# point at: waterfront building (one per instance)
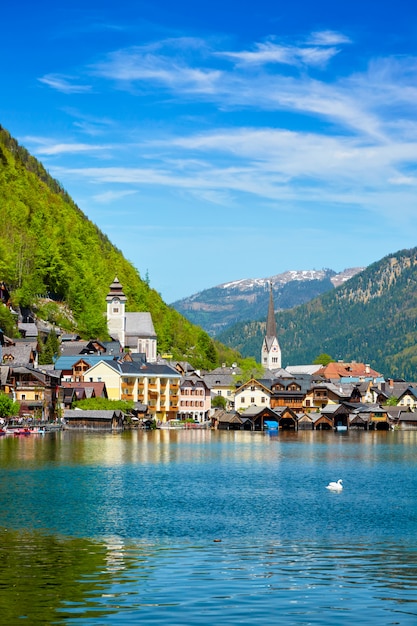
(153, 384)
(194, 399)
(254, 392)
(271, 351)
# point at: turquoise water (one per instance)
(202, 527)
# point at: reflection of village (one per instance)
(338, 396)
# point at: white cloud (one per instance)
(46, 147)
(287, 55)
(63, 84)
(110, 196)
(138, 64)
(328, 38)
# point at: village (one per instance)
(169, 394)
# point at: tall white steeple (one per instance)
(116, 301)
(271, 351)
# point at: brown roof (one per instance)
(339, 370)
(99, 388)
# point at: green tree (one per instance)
(392, 401)
(218, 402)
(7, 406)
(250, 369)
(323, 359)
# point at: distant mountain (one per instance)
(220, 307)
(371, 318)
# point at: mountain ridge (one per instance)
(371, 318)
(220, 307)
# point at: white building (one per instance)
(135, 331)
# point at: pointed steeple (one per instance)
(271, 351)
(271, 324)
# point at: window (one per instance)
(252, 400)
(219, 393)
(115, 309)
(242, 400)
(229, 393)
(263, 399)
(36, 396)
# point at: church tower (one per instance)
(271, 351)
(116, 301)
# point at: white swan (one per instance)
(333, 486)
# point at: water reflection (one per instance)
(49, 579)
(121, 528)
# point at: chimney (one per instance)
(367, 368)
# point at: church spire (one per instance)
(271, 324)
(271, 351)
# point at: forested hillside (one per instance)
(48, 247)
(371, 318)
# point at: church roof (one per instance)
(139, 325)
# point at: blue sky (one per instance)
(223, 140)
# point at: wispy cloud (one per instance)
(146, 65)
(110, 196)
(287, 55)
(64, 84)
(44, 146)
(328, 38)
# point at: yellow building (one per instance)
(153, 384)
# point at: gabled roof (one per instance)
(22, 353)
(263, 384)
(410, 391)
(95, 415)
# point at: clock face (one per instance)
(116, 301)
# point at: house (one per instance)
(20, 352)
(194, 399)
(35, 390)
(94, 420)
(323, 393)
(223, 381)
(75, 391)
(254, 392)
(408, 398)
(290, 391)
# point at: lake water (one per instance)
(208, 527)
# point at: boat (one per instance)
(21, 431)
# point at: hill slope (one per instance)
(49, 247)
(220, 307)
(371, 318)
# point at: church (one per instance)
(271, 351)
(134, 331)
